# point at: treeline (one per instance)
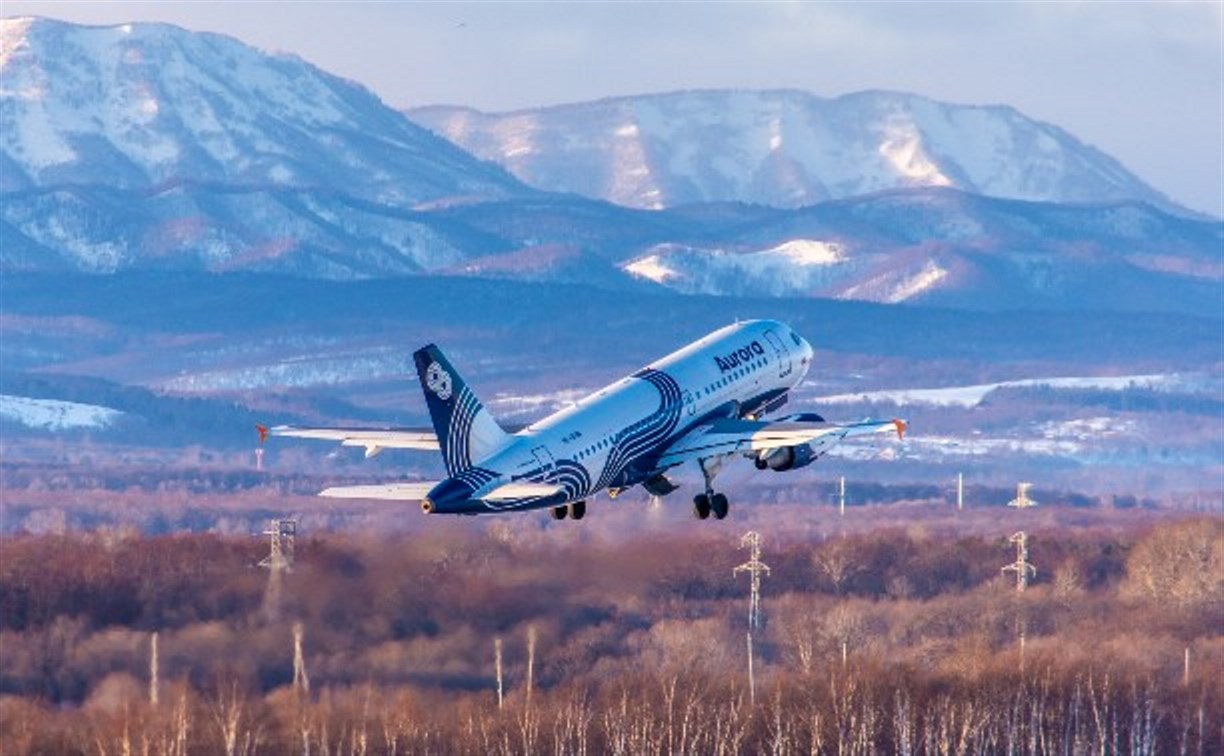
(858, 709)
(893, 641)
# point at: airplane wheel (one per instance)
(577, 510)
(701, 506)
(719, 506)
(559, 513)
(760, 463)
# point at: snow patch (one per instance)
(807, 252)
(925, 279)
(55, 415)
(651, 268)
(896, 286)
(971, 396)
(1087, 428)
(13, 36)
(795, 267)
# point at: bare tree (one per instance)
(837, 561)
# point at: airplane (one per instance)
(702, 404)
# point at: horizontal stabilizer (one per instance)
(521, 490)
(387, 491)
(371, 438)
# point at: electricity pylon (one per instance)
(1023, 569)
(1022, 500)
(1021, 566)
(281, 537)
(754, 566)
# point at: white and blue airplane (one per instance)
(702, 404)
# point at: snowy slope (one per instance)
(945, 247)
(141, 106)
(54, 415)
(971, 396)
(785, 148)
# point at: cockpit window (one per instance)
(795, 338)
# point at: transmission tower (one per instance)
(1022, 500)
(1021, 566)
(754, 566)
(841, 496)
(282, 535)
(1023, 570)
(960, 491)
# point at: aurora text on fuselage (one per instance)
(741, 356)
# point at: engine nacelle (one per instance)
(790, 458)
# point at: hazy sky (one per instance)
(1144, 81)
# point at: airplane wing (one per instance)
(386, 491)
(729, 435)
(373, 439)
(417, 491)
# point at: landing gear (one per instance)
(709, 502)
(705, 505)
(701, 506)
(760, 463)
(575, 511)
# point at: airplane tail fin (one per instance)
(467, 433)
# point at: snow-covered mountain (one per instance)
(151, 148)
(143, 106)
(786, 149)
(950, 248)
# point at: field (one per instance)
(625, 634)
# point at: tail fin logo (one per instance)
(438, 381)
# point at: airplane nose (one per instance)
(805, 349)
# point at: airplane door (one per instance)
(780, 352)
(688, 402)
(544, 458)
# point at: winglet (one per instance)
(900, 429)
(263, 432)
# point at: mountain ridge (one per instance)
(893, 138)
(137, 105)
(366, 194)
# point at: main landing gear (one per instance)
(577, 511)
(710, 503)
(707, 504)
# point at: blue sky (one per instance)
(1143, 81)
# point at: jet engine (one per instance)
(788, 458)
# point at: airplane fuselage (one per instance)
(615, 437)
